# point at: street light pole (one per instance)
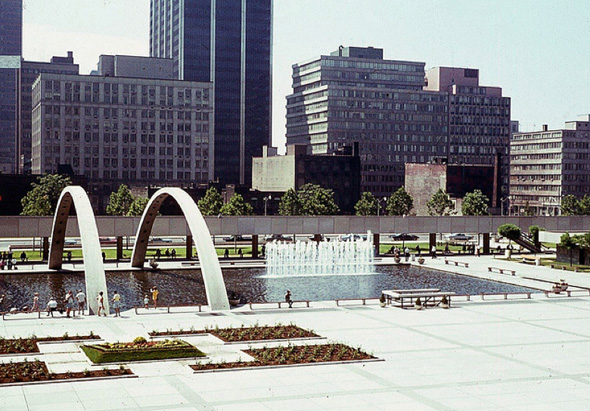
(265, 199)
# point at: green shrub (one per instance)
(102, 354)
(139, 340)
(510, 231)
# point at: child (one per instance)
(146, 301)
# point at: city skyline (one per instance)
(536, 51)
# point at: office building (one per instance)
(354, 95)
(424, 180)
(339, 172)
(479, 120)
(227, 43)
(10, 59)
(130, 130)
(28, 73)
(547, 165)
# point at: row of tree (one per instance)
(309, 200)
(571, 205)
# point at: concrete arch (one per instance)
(94, 274)
(212, 276)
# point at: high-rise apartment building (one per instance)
(28, 73)
(354, 95)
(547, 165)
(227, 43)
(10, 59)
(123, 130)
(479, 120)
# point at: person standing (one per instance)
(117, 304)
(173, 253)
(146, 301)
(69, 300)
(433, 251)
(288, 299)
(155, 293)
(23, 257)
(35, 306)
(100, 300)
(81, 298)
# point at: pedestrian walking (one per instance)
(173, 253)
(70, 307)
(146, 301)
(433, 251)
(117, 304)
(226, 253)
(23, 257)
(35, 306)
(81, 298)
(100, 299)
(70, 256)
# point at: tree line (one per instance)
(309, 200)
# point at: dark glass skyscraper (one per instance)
(227, 42)
(10, 57)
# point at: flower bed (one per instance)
(304, 354)
(140, 350)
(254, 333)
(29, 345)
(37, 371)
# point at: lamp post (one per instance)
(384, 199)
(265, 199)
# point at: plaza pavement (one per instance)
(518, 354)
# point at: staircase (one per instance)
(526, 241)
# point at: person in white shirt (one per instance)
(81, 298)
(51, 306)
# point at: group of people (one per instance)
(73, 303)
(7, 260)
(167, 253)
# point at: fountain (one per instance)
(320, 258)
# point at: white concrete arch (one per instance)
(212, 276)
(93, 267)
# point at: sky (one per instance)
(538, 51)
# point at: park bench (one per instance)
(501, 270)
(279, 303)
(527, 259)
(505, 295)
(457, 263)
(168, 308)
(363, 301)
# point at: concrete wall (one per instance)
(176, 226)
(275, 173)
(422, 181)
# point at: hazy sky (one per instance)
(538, 51)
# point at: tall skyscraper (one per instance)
(227, 43)
(10, 58)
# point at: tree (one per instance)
(569, 243)
(475, 203)
(290, 203)
(570, 205)
(584, 205)
(237, 206)
(42, 198)
(440, 203)
(367, 205)
(316, 200)
(510, 231)
(534, 232)
(137, 207)
(120, 201)
(211, 202)
(400, 202)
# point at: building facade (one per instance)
(479, 120)
(354, 95)
(116, 130)
(547, 165)
(340, 172)
(28, 73)
(229, 44)
(10, 59)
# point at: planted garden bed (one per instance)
(253, 333)
(37, 371)
(29, 345)
(304, 354)
(140, 350)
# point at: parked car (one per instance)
(404, 237)
(233, 238)
(459, 237)
(277, 237)
(353, 237)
